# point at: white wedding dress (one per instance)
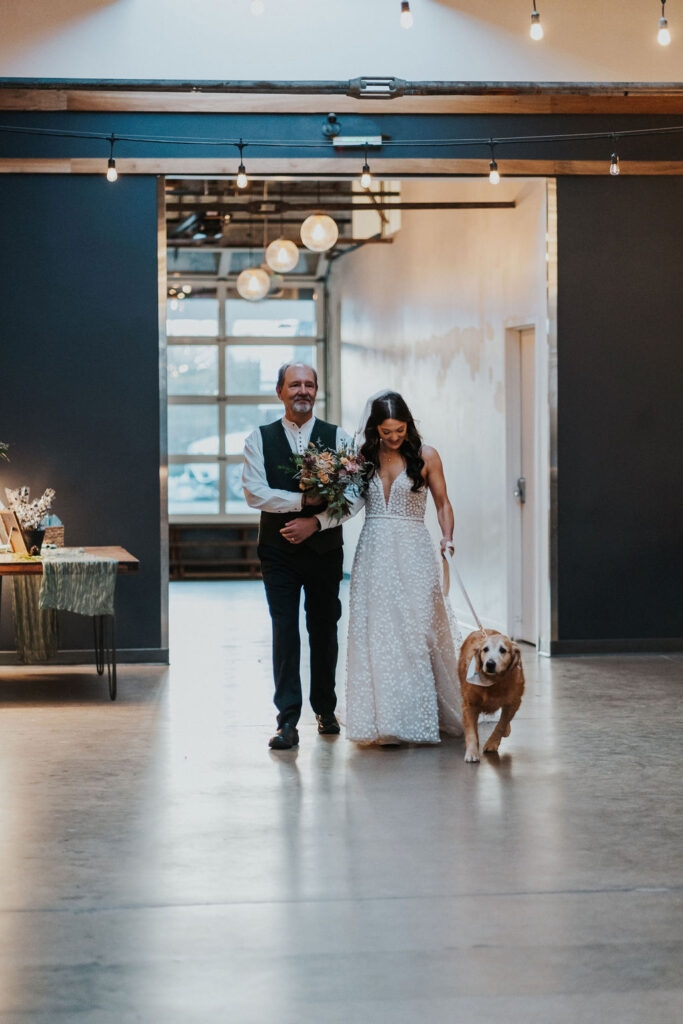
(401, 678)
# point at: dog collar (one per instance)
(473, 676)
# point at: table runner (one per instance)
(73, 581)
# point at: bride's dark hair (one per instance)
(392, 407)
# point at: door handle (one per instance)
(520, 490)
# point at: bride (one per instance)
(402, 682)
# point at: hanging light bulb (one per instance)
(257, 7)
(406, 18)
(494, 175)
(663, 36)
(319, 232)
(253, 283)
(112, 173)
(536, 30)
(366, 176)
(614, 164)
(242, 180)
(282, 255)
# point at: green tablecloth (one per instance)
(72, 581)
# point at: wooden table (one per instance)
(103, 625)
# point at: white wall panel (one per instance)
(427, 316)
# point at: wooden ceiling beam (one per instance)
(408, 167)
(599, 100)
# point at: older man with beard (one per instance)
(299, 546)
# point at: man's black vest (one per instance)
(276, 457)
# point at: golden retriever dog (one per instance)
(498, 665)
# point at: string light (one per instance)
(366, 176)
(536, 30)
(306, 144)
(406, 18)
(112, 173)
(494, 176)
(614, 164)
(242, 180)
(663, 36)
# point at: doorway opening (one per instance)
(436, 288)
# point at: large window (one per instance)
(223, 356)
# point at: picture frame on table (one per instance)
(11, 531)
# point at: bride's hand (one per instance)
(447, 545)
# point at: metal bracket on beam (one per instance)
(367, 88)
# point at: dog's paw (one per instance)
(471, 755)
(491, 748)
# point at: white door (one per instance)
(521, 435)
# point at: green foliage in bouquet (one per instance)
(337, 476)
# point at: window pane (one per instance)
(235, 504)
(193, 489)
(192, 370)
(194, 316)
(193, 429)
(252, 369)
(242, 419)
(271, 318)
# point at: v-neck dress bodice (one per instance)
(402, 653)
(403, 503)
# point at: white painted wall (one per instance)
(452, 40)
(427, 316)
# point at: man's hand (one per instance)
(298, 530)
(311, 498)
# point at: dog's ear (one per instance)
(516, 656)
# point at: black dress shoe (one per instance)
(328, 725)
(284, 739)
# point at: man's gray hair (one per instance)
(283, 370)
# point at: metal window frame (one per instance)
(221, 400)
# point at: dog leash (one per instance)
(448, 563)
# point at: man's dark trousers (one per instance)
(285, 574)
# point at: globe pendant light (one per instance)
(282, 255)
(319, 232)
(253, 283)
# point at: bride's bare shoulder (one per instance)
(428, 453)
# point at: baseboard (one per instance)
(659, 645)
(125, 656)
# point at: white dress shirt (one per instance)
(258, 493)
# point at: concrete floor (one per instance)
(159, 864)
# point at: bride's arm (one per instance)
(436, 482)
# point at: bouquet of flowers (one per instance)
(338, 477)
(29, 513)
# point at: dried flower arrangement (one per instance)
(29, 513)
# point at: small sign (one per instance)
(12, 532)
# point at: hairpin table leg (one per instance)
(105, 649)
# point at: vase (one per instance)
(33, 539)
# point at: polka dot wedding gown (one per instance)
(401, 679)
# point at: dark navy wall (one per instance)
(301, 135)
(79, 401)
(620, 375)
